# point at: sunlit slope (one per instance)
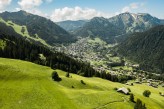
(24, 85)
(18, 29)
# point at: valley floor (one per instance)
(24, 85)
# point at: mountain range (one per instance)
(130, 22)
(132, 32)
(111, 30)
(140, 37)
(115, 28)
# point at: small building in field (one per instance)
(137, 82)
(123, 90)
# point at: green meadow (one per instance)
(17, 28)
(25, 85)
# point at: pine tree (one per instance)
(138, 104)
(55, 76)
(131, 97)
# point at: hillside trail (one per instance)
(102, 106)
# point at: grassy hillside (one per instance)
(27, 85)
(18, 29)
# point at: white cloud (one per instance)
(17, 9)
(38, 12)
(132, 7)
(76, 13)
(4, 3)
(28, 4)
(31, 6)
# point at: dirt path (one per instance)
(99, 107)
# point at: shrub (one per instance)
(23, 30)
(131, 97)
(139, 105)
(146, 93)
(67, 75)
(55, 76)
(82, 82)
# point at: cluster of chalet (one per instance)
(150, 82)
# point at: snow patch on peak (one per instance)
(134, 16)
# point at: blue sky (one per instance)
(58, 10)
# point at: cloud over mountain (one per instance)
(76, 13)
(27, 4)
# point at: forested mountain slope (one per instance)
(146, 48)
(99, 27)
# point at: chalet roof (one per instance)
(124, 90)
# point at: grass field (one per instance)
(24, 85)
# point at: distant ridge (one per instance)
(119, 25)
